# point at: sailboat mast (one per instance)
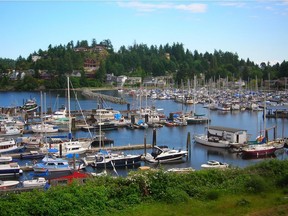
(69, 114)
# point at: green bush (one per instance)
(256, 184)
(212, 195)
(173, 195)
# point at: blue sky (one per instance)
(254, 29)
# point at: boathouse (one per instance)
(233, 135)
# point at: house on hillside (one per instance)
(132, 81)
(121, 80)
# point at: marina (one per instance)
(133, 141)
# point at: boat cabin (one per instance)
(233, 135)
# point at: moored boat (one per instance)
(8, 184)
(212, 164)
(223, 137)
(30, 105)
(163, 154)
(105, 159)
(9, 145)
(9, 169)
(51, 165)
(32, 155)
(33, 183)
(258, 150)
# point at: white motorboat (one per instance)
(39, 182)
(70, 146)
(52, 165)
(9, 130)
(105, 159)
(8, 184)
(163, 154)
(8, 145)
(10, 168)
(44, 128)
(5, 159)
(211, 164)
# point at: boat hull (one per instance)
(121, 162)
(258, 152)
(10, 169)
(204, 141)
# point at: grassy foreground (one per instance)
(256, 190)
(268, 204)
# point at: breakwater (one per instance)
(91, 94)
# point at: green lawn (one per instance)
(260, 204)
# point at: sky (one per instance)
(254, 29)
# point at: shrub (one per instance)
(212, 195)
(243, 202)
(172, 195)
(255, 184)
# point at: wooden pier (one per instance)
(90, 94)
(96, 149)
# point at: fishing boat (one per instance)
(8, 184)
(212, 164)
(34, 183)
(163, 154)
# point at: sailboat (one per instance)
(222, 137)
(44, 127)
(196, 118)
(105, 159)
(70, 146)
(260, 148)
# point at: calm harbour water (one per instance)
(174, 137)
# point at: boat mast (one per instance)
(69, 114)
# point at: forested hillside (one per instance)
(136, 60)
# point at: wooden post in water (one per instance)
(266, 135)
(154, 138)
(73, 124)
(145, 145)
(74, 161)
(188, 144)
(60, 150)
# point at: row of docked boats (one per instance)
(237, 139)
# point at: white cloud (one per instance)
(194, 8)
(233, 3)
(148, 7)
(143, 6)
